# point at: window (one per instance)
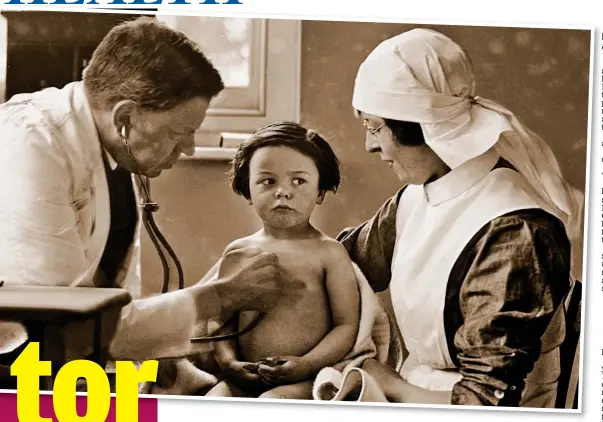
(259, 60)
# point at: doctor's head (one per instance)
(150, 86)
(284, 170)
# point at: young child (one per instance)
(284, 170)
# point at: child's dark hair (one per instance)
(292, 135)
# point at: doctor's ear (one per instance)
(122, 114)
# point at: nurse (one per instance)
(480, 246)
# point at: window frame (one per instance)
(279, 64)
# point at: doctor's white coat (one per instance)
(54, 218)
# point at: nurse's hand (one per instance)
(249, 279)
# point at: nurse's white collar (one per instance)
(461, 178)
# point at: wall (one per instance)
(542, 75)
(49, 48)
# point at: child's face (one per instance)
(283, 184)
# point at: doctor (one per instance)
(69, 214)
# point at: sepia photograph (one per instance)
(296, 210)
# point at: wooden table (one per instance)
(69, 322)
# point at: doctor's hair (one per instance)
(405, 133)
(291, 135)
(146, 61)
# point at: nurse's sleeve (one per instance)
(516, 279)
(371, 244)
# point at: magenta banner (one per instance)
(147, 408)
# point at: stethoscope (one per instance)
(149, 207)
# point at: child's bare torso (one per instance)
(292, 327)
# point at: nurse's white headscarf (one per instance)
(423, 76)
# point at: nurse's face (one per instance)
(412, 164)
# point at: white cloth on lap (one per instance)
(375, 335)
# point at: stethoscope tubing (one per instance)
(148, 208)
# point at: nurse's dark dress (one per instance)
(500, 293)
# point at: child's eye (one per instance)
(298, 181)
(267, 182)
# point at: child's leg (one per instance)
(300, 391)
(226, 389)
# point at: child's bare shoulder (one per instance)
(333, 249)
(336, 260)
(244, 242)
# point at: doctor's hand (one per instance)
(250, 279)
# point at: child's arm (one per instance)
(242, 374)
(225, 352)
(344, 297)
